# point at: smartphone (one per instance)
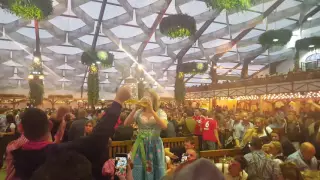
(121, 162)
(184, 157)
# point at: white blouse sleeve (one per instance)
(162, 115)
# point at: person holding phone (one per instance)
(118, 168)
(148, 154)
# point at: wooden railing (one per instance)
(125, 147)
(217, 154)
(120, 147)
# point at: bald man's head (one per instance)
(244, 116)
(307, 150)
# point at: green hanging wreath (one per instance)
(308, 43)
(88, 58)
(305, 44)
(180, 89)
(36, 91)
(31, 9)
(93, 85)
(238, 5)
(194, 68)
(104, 58)
(178, 26)
(275, 38)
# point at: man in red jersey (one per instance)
(210, 135)
(197, 130)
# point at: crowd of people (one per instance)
(46, 145)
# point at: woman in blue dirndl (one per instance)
(147, 152)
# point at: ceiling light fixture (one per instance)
(309, 18)
(275, 40)
(140, 67)
(311, 46)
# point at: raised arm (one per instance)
(98, 140)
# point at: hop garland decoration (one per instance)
(194, 68)
(238, 5)
(36, 88)
(275, 38)
(101, 57)
(93, 85)
(180, 89)
(178, 26)
(36, 91)
(30, 9)
(36, 66)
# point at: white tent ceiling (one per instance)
(69, 32)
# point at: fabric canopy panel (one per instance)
(126, 23)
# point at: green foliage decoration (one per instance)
(101, 57)
(31, 9)
(237, 5)
(36, 91)
(180, 89)
(194, 68)
(275, 38)
(178, 26)
(105, 58)
(36, 87)
(88, 58)
(93, 85)
(305, 44)
(36, 67)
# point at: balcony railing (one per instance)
(290, 77)
(307, 66)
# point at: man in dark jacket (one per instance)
(36, 129)
(77, 127)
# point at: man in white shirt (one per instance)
(305, 157)
(241, 128)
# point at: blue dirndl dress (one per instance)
(148, 151)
